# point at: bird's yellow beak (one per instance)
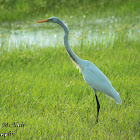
(45, 20)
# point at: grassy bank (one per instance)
(43, 92)
(14, 10)
(42, 89)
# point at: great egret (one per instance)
(91, 74)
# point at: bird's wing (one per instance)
(96, 79)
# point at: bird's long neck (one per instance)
(69, 50)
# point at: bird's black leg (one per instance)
(98, 105)
(98, 108)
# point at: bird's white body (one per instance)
(92, 75)
(97, 80)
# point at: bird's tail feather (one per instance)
(117, 98)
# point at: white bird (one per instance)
(91, 74)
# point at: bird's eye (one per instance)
(50, 19)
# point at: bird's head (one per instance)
(56, 20)
(52, 19)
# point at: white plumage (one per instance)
(98, 81)
(92, 75)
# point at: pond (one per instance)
(85, 31)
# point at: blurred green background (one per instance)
(24, 9)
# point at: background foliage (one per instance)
(24, 9)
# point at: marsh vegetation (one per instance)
(41, 88)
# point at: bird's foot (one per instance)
(96, 122)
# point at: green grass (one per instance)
(42, 89)
(15, 10)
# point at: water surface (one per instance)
(82, 32)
